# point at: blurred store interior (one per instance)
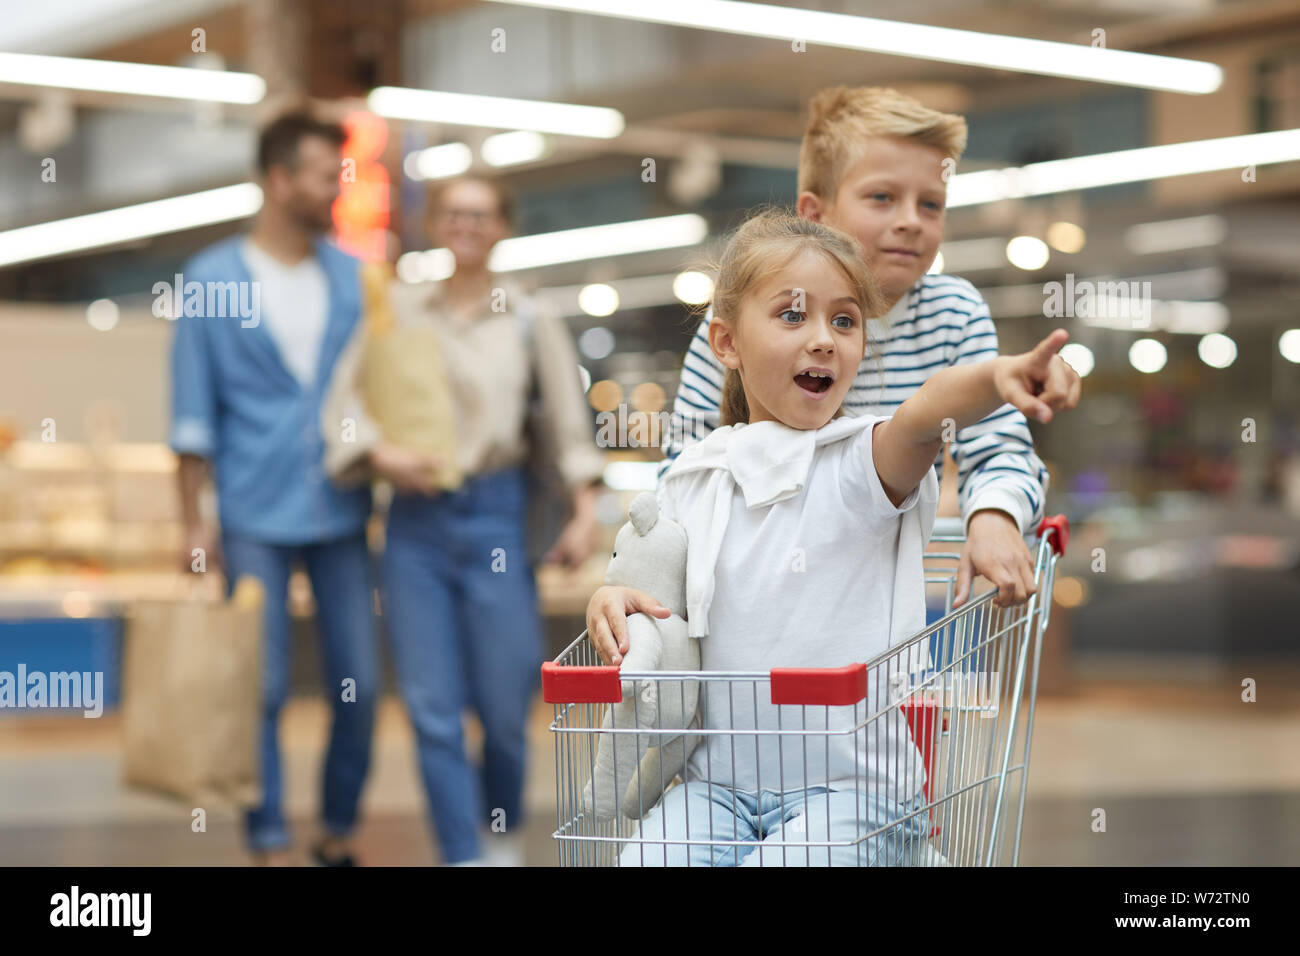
(1179, 472)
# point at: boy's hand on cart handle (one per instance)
(1031, 381)
(995, 550)
(607, 613)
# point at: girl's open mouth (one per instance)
(814, 385)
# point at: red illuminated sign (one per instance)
(361, 213)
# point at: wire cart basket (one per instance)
(953, 705)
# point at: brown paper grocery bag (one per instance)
(403, 380)
(192, 697)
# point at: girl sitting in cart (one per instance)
(805, 526)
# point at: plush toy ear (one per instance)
(644, 512)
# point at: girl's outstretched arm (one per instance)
(904, 447)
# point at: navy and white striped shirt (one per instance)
(941, 321)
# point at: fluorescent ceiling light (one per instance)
(510, 149)
(1208, 282)
(597, 242)
(1190, 318)
(1124, 166)
(438, 162)
(134, 79)
(968, 47)
(496, 112)
(1191, 285)
(632, 475)
(576, 245)
(1174, 234)
(1167, 315)
(140, 221)
(973, 255)
(431, 265)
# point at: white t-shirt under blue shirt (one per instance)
(294, 300)
(810, 580)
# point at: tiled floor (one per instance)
(1186, 773)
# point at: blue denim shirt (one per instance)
(235, 403)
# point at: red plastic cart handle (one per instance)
(830, 686)
(580, 685)
(812, 686)
(1062, 536)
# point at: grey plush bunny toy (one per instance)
(632, 769)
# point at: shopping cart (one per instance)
(964, 689)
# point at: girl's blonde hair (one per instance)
(768, 241)
(842, 118)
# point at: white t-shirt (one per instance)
(294, 303)
(809, 581)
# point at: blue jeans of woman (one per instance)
(462, 617)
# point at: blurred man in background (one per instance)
(246, 391)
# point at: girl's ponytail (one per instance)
(734, 408)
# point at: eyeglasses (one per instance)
(476, 216)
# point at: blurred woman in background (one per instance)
(461, 604)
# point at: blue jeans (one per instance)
(340, 582)
(462, 616)
(698, 810)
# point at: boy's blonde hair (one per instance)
(767, 241)
(841, 117)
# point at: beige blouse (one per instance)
(486, 362)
